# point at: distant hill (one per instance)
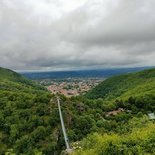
(99, 73)
(124, 85)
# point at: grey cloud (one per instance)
(130, 22)
(95, 34)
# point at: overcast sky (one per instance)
(76, 34)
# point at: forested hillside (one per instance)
(30, 125)
(26, 122)
(128, 99)
(124, 85)
(10, 80)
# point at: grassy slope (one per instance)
(125, 85)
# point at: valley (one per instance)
(77, 77)
(71, 86)
(111, 118)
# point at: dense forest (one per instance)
(110, 119)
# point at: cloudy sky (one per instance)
(76, 34)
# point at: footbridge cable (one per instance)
(63, 126)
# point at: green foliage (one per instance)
(30, 124)
(125, 85)
(26, 116)
(10, 80)
(138, 141)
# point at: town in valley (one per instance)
(70, 86)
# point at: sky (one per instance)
(76, 34)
